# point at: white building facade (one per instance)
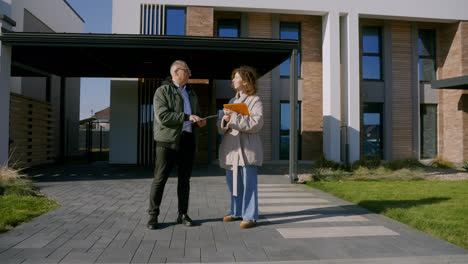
(46, 16)
(365, 72)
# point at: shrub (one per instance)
(322, 162)
(403, 164)
(465, 165)
(370, 163)
(12, 182)
(440, 163)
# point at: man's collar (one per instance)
(178, 87)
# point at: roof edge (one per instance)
(76, 13)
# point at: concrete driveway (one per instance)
(102, 219)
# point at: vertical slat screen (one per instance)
(146, 144)
(151, 18)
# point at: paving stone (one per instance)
(58, 254)
(311, 232)
(143, 251)
(34, 253)
(200, 244)
(11, 260)
(10, 252)
(81, 256)
(116, 255)
(289, 253)
(211, 255)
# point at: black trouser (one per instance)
(166, 158)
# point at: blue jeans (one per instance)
(245, 204)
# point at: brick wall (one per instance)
(401, 91)
(464, 43)
(464, 40)
(199, 21)
(452, 47)
(311, 74)
(260, 27)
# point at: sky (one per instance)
(95, 92)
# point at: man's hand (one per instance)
(194, 118)
(226, 118)
(201, 123)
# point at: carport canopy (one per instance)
(139, 56)
(458, 83)
(149, 56)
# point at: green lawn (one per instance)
(439, 208)
(19, 200)
(15, 210)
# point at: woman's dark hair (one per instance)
(248, 75)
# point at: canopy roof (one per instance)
(139, 56)
(460, 83)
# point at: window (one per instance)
(428, 131)
(290, 30)
(175, 21)
(228, 28)
(284, 131)
(426, 50)
(371, 53)
(372, 129)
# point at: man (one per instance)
(175, 111)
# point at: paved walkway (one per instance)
(103, 220)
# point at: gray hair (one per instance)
(176, 64)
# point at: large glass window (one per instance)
(373, 130)
(428, 131)
(427, 65)
(285, 128)
(175, 21)
(290, 30)
(371, 53)
(228, 28)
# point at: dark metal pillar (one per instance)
(293, 117)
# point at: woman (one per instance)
(241, 150)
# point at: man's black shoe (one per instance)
(185, 220)
(153, 222)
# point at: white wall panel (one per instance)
(124, 119)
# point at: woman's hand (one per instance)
(227, 114)
(226, 118)
(227, 111)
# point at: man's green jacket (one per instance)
(169, 117)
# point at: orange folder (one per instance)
(239, 108)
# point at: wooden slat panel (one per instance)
(402, 135)
(31, 131)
